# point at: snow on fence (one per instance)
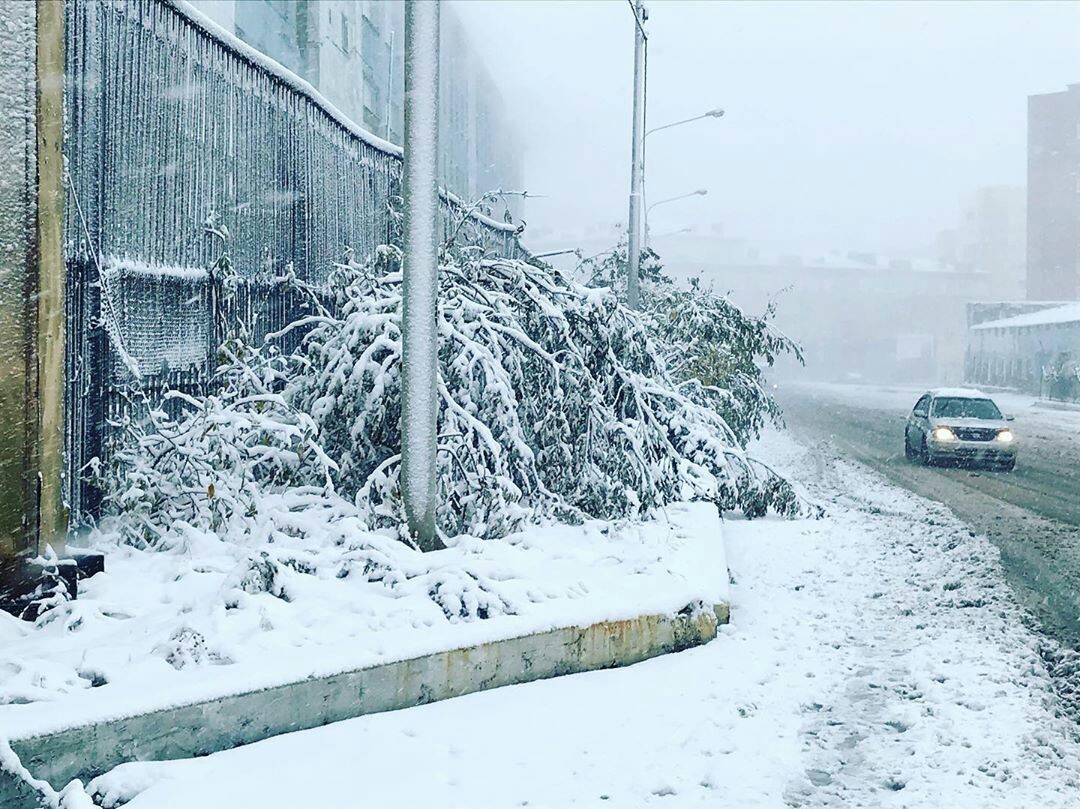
(184, 146)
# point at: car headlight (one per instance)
(944, 434)
(1005, 436)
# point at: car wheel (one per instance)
(924, 454)
(1007, 466)
(909, 451)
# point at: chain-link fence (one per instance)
(183, 146)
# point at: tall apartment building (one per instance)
(1053, 196)
(352, 51)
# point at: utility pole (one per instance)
(637, 158)
(420, 272)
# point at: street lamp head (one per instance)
(717, 113)
(701, 192)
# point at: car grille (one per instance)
(975, 433)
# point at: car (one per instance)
(959, 425)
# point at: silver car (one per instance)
(959, 425)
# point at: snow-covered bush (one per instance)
(714, 350)
(208, 462)
(242, 474)
(556, 400)
(1062, 378)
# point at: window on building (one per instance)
(370, 42)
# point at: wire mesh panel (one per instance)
(186, 149)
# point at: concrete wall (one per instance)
(203, 728)
(31, 279)
(18, 200)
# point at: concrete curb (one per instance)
(1054, 404)
(207, 727)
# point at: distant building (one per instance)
(945, 246)
(1053, 208)
(352, 51)
(857, 315)
(1028, 346)
(990, 238)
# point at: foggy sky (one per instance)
(849, 125)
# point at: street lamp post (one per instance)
(699, 193)
(637, 154)
(714, 113)
(717, 113)
(637, 157)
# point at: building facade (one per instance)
(1034, 347)
(352, 52)
(1053, 202)
(858, 317)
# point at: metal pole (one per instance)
(551, 253)
(717, 113)
(637, 168)
(419, 329)
(390, 87)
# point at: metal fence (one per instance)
(182, 143)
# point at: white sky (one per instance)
(849, 125)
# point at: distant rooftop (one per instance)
(1069, 313)
(708, 245)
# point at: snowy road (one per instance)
(875, 659)
(1032, 514)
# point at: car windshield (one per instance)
(958, 408)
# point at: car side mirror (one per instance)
(920, 413)
(1010, 418)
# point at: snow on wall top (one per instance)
(281, 73)
(304, 88)
(1070, 313)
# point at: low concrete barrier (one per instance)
(1054, 404)
(207, 727)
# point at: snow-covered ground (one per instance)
(170, 628)
(875, 658)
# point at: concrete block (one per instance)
(203, 728)
(722, 611)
